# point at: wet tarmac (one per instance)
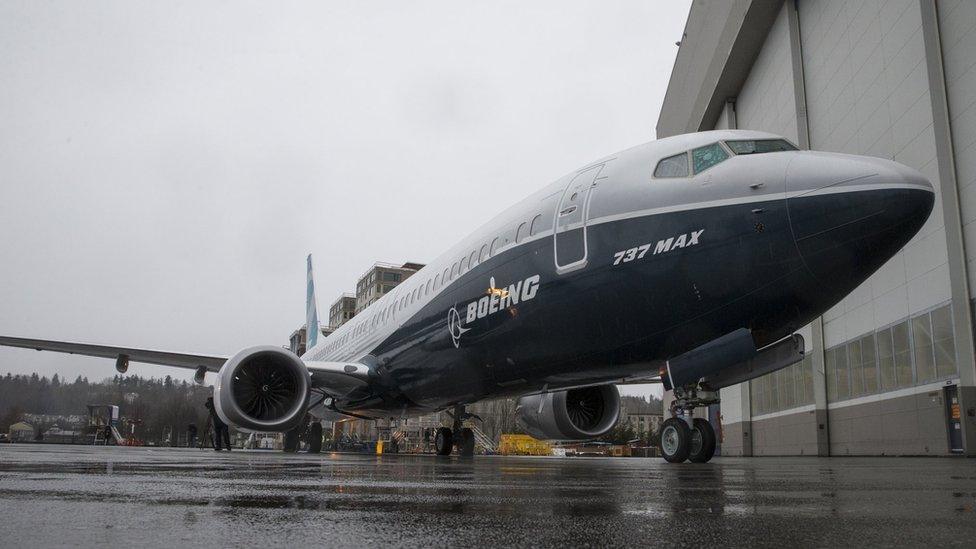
(108, 496)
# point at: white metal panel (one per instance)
(766, 101)
(958, 53)
(867, 93)
(890, 307)
(732, 405)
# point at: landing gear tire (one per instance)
(702, 446)
(466, 442)
(675, 440)
(315, 438)
(443, 441)
(291, 441)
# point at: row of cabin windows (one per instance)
(468, 262)
(703, 158)
(524, 230)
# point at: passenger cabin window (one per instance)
(708, 156)
(464, 265)
(673, 166)
(484, 253)
(536, 225)
(473, 260)
(760, 146)
(494, 247)
(520, 233)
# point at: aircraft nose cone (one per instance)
(851, 214)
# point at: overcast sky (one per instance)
(166, 166)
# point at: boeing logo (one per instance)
(454, 326)
(494, 300)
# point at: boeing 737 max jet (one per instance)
(690, 260)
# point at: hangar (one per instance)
(889, 370)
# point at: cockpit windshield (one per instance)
(759, 146)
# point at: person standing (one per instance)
(191, 435)
(221, 433)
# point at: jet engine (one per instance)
(573, 414)
(262, 389)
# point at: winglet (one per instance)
(311, 310)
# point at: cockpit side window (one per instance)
(673, 166)
(759, 146)
(708, 156)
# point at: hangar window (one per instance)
(464, 265)
(484, 253)
(520, 233)
(708, 156)
(473, 260)
(924, 359)
(944, 339)
(494, 246)
(783, 389)
(454, 271)
(869, 365)
(536, 225)
(673, 166)
(902, 349)
(760, 146)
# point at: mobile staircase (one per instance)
(484, 440)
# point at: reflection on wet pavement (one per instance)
(55, 495)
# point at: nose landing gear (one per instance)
(682, 437)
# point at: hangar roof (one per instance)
(719, 45)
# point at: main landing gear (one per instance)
(463, 437)
(683, 437)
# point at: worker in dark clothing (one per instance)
(221, 434)
(191, 435)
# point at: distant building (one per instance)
(298, 342)
(21, 432)
(342, 310)
(643, 416)
(645, 425)
(379, 280)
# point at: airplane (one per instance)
(690, 261)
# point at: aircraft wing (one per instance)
(148, 356)
(336, 378)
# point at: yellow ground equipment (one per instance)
(523, 445)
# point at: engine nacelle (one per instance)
(262, 389)
(574, 414)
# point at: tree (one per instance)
(12, 415)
